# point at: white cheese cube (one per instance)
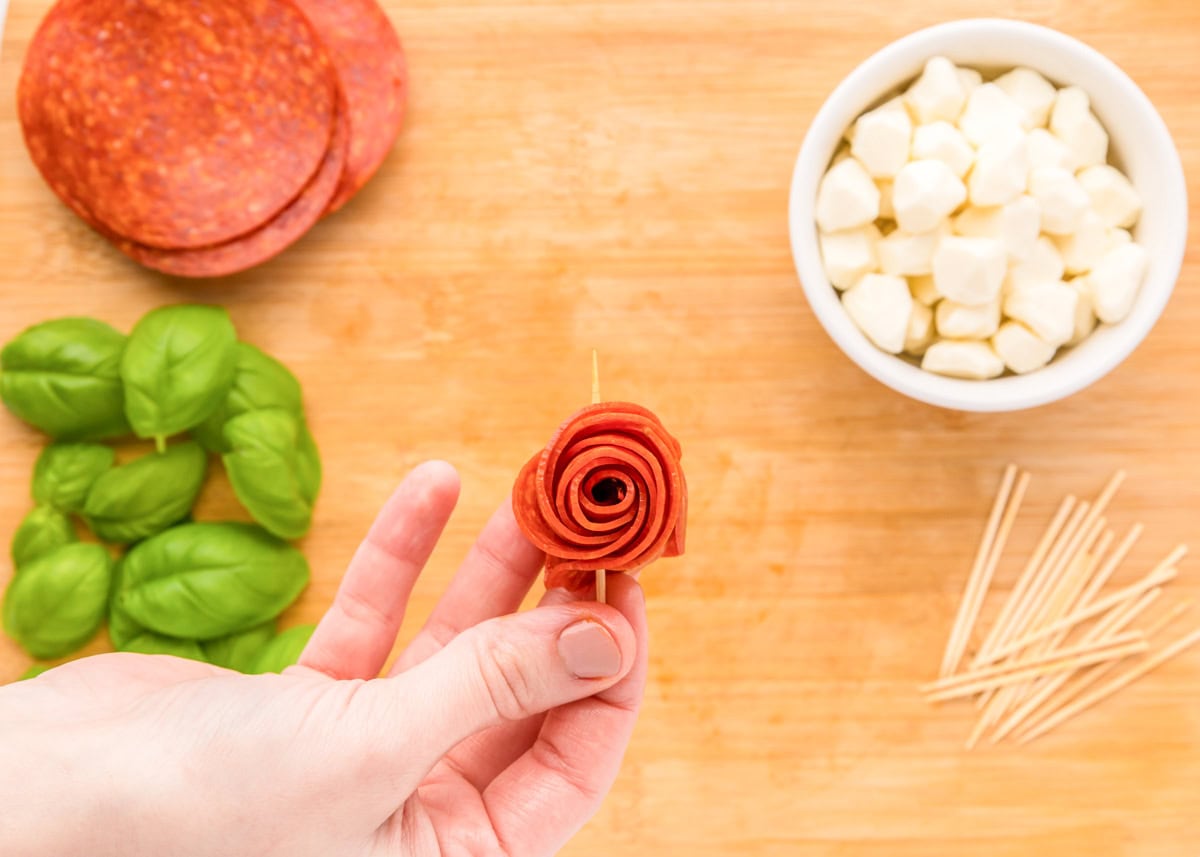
(941, 141)
(975, 361)
(1047, 309)
(990, 114)
(938, 93)
(849, 254)
(904, 254)
(882, 138)
(880, 305)
(1016, 224)
(1046, 150)
(1085, 316)
(1117, 237)
(924, 194)
(1001, 170)
(1112, 195)
(1032, 92)
(1115, 280)
(1020, 348)
(846, 197)
(1044, 264)
(920, 330)
(923, 290)
(886, 210)
(1083, 247)
(959, 321)
(1062, 198)
(970, 79)
(969, 270)
(1072, 121)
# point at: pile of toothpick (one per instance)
(1061, 643)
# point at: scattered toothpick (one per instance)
(601, 574)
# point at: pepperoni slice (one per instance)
(607, 492)
(370, 64)
(177, 123)
(255, 247)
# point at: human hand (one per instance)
(496, 736)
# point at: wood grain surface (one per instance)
(614, 174)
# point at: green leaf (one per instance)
(43, 531)
(201, 581)
(65, 472)
(283, 651)
(63, 377)
(272, 470)
(177, 368)
(150, 643)
(238, 651)
(146, 495)
(57, 601)
(261, 382)
(34, 671)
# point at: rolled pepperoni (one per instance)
(608, 492)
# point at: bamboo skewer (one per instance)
(1118, 647)
(1116, 621)
(1104, 691)
(1164, 572)
(601, 574)
(1095, 675)
(996, 635)
(968, 608)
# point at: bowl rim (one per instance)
(1010, 392)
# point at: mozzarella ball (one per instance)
(924, 194)
(920, 330)
(959, 321)
(1047, 309)
(904, 254)
(1001, 171)
(1032, 92)
(923, 290)
(975, 361)
(1020, 348)
(1072, 122)
(1044, 264)
(990, 114)
(969, 270)
(880, 305)
(1112, 195)
(941, 141)
(938, 93)
(1115, 280)
(849, 254)
(881, 139)
(1016, 224)
(846, 198)
(1046, 150)
(1083, 248)
(1062, 198)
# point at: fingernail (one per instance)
(589, 651)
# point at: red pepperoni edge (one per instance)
(370, 64)
(92, 124)
(262, 244)
(607, 492)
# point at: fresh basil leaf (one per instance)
(63, 377)
(261, 382)
(283, 651)
(177, 368)
(34, 671)
(56, 603)
(146, 495)
(274, 471)
(65, 472)
(238, 651)
(202, 581)
(43, 531)
(149, 643)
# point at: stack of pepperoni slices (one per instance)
(202, 137)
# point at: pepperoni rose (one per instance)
(607, 492)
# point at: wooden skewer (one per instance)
(1078, 571)
(1106, 690)
(1129, 644)
(1164, 572)
(1047, 582)
(954, 682)
(601, 574)
(996, 635)
(968, 607)
(1092, 677)
(1113, 623)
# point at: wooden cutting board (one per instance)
(614, 174)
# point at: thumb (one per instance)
(502, 670)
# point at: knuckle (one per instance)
(505, 677)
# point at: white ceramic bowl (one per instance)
(1140, 145)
